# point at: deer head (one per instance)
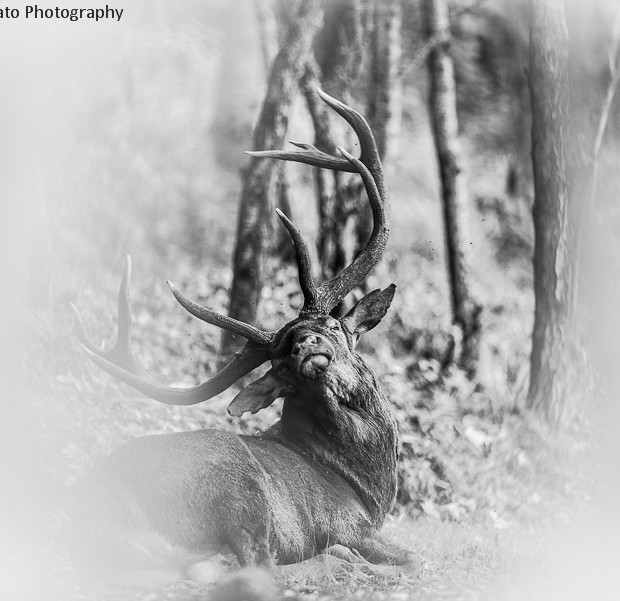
(315, 351)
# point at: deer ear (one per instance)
(368, 312)
(257, 395)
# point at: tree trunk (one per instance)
(330, 203)
(554, 267)
(255, 203)
(339, 50)
(269, 38)
(466, 309)
(385, 92)
(282, 246)
(339, 46)
(267, 31)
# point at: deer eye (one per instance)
(281, 368)
(335, 326)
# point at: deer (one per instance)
(322, 478)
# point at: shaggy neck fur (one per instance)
(345, 422)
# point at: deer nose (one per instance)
(304, 341)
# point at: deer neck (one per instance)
(359, 441)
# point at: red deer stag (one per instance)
(325, 474)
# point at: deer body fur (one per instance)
(324, 474)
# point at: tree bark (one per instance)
(331, 205)
(554, 266)
(269, 40)
(256, 202)
(385, 92)
(466, 310)
(339, 50)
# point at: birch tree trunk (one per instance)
(554, 267)
(255, 204)
(466, 310)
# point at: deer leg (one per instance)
(379, 550)
(251, 546)
(344, 553)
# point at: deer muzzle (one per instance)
(311, 354)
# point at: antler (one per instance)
(122, 363)
(324, 298)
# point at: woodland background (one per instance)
(128, 138)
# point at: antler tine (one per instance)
(221, 321)
(317, 158)
(247, 359)
(369, 154)
(122, 364)
(310, 155)
(124, 315)
(304, 266)
(329, 294)
(334, 290)
(120, 353)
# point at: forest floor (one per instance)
(484, 488)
